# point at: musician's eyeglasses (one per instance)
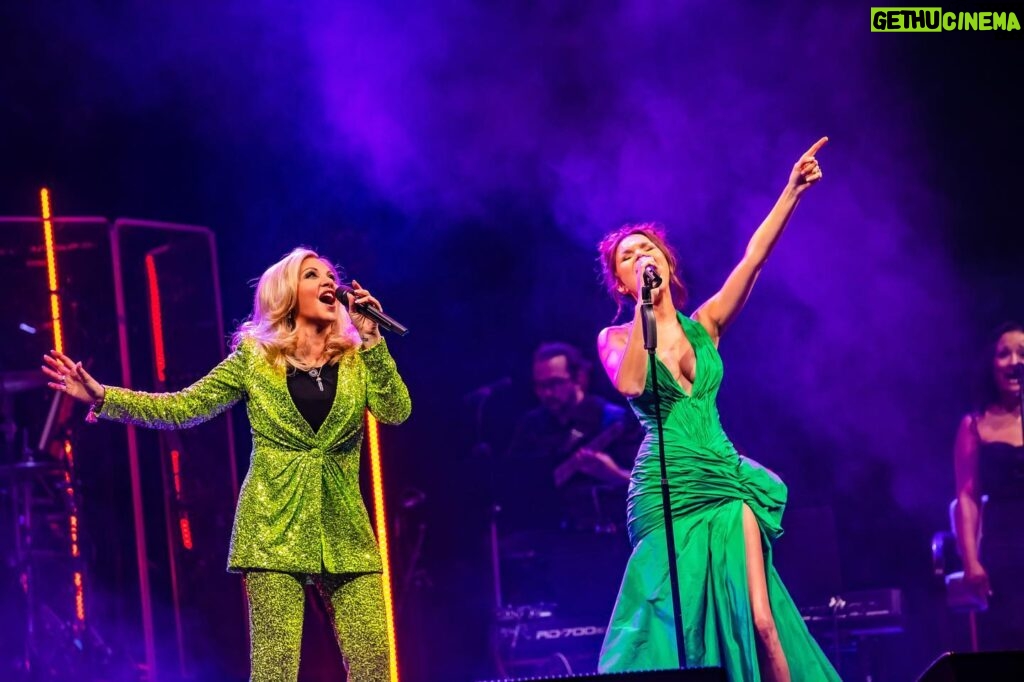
(552, 383)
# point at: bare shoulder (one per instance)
(611, 343)
(967, 437)
(969, 424)
(616, 335)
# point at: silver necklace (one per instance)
(315, 374)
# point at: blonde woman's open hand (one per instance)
(71, 378)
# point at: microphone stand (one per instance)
(482, 449)
(650, 327)
(1020, 394)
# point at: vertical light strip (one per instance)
(186, 531)
(160, 358)
(176, 470)
(51, 270)
(58, 345)
(73, 526)
(73, 506)
(183, 523)
(377, 479)
(157, 319)
(69, 460)
(79, 598)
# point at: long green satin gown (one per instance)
(709, 483)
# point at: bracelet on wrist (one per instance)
(92, 416)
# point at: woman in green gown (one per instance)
(308, 371)
(726, 509)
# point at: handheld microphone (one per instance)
(651, 277)
(383, 320)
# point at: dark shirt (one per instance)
(313, 399)
(1001, 470)
(1001, 475)
(1001, 478)
(527, 492)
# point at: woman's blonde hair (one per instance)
(272, 322)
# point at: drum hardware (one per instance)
(22, 478)
(43, 511)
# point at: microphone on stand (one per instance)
(651, 277)
(1018, 373)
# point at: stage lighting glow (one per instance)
(51, 269)
(377, 479)
(156, 319)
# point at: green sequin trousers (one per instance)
(356, 606)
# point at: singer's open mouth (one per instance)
(327, 297)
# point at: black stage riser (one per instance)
(990, 666)
(692, 675)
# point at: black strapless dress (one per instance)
(1001, 474)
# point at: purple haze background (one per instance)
(467, 156)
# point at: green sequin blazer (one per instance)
(300, 509)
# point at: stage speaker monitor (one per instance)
(991, 666)
(690, 675)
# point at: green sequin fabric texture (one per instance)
(299, 509)
(355, 605)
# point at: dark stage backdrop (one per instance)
(462, 160)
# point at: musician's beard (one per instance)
(560, 409)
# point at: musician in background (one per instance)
(569, 461)
(561, 487)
